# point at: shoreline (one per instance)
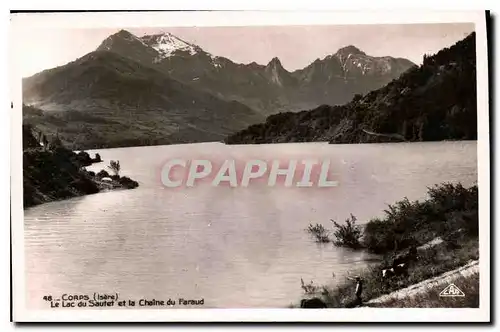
(103, 191)
(423, 286)
(436, 237)
(341, 295)
(280, 143)
(116, 183)
(51, 172)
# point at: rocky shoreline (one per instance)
(51, 173)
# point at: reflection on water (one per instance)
(234, 247)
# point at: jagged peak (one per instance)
(350, 49)
(122, 35)
(275, 62)
(123, 32)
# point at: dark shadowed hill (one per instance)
(106, 100)
(435, 101)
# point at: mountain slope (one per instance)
(268, 89)
(106, 100)
(436, 101)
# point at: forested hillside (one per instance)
(432, 102)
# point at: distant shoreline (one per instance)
(281, 143)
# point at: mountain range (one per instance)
(159, 89)
(432, 102)
(265, 88)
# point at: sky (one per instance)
(295, 46)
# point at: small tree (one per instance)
(319, 232)
(114, 166)
(347, 235)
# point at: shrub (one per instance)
(319, 232)
(349, 234)
(450, 207)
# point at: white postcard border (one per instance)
(206, 18)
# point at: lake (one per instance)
(233, 247)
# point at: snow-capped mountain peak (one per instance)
(166, 44)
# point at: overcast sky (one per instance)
(295, 46)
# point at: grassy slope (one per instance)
(450, 212)
(431, 263)
(431, 299)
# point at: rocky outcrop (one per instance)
(56, 173)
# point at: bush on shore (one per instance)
(348, 234)
(319, 232)
(450, 207)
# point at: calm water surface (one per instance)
(234, 247)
